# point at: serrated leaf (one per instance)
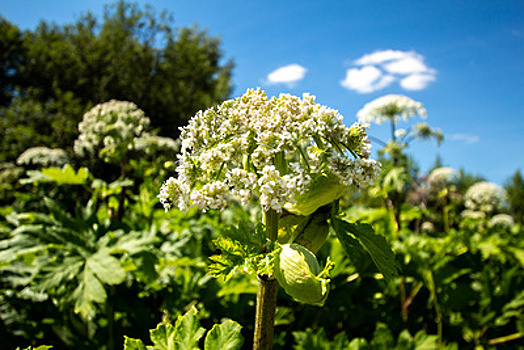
(253, 238)
(375, 245)
(233, 256)
(354, 250)
(188, 331)
(106, 267)
(163, 336)
(224, 336)
(133, 344)
(88, 291)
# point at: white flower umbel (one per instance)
(273, 148)
(485, 196)
(390, 107)
(501, 221)
(43, 156)
(442, 176)
(110, 127)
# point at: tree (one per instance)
(11, 55)
(133, 54)
(515, 191)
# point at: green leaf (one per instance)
(66, 175)
(358, 344)
(183, 336)
(89, 290)
(224, 336)
(375, 245)
(163, 336)
(133, 344)
(233, 256)
(106, 267)
(188, 331)
(519, 254)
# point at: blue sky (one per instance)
(464, 60)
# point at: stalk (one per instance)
(267, 294)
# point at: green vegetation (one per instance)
(89, 258)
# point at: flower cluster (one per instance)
(442, 176)
(390, 107)
(151, 144)
(272, 148)
(43, 156)
(501, 221)
(485, 196)
(109, 128)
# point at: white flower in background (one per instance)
(427, 227)
(442, 176)
(502, 221)
(473, 214)
(485, 196)
(400, 133)
(43, 156)
(273, 148)
(150, 144)
(391, 107)
(110, 127)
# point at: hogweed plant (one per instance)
(394, 109)
(295, 157)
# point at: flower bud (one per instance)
(298, 272)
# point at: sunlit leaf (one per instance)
(106, 267)
(356, 237)
(133, 344)
(188, 331)
(224, 336)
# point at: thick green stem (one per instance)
(267, 294)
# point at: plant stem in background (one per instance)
(267, 294)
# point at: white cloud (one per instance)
(366, 79)
(416, 81)
(289, 74)
(380, 57)
(466, 138)
(380, 69)
(406, 65)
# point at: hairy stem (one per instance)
(267, 295)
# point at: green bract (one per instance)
(309, 231)
(324, 190)
(298, 272)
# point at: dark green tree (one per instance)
(11, 56)
(131, 54)
(515, 189)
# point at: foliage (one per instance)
(515, 191)
(52, 75)
(90, 259)
(186, 333)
